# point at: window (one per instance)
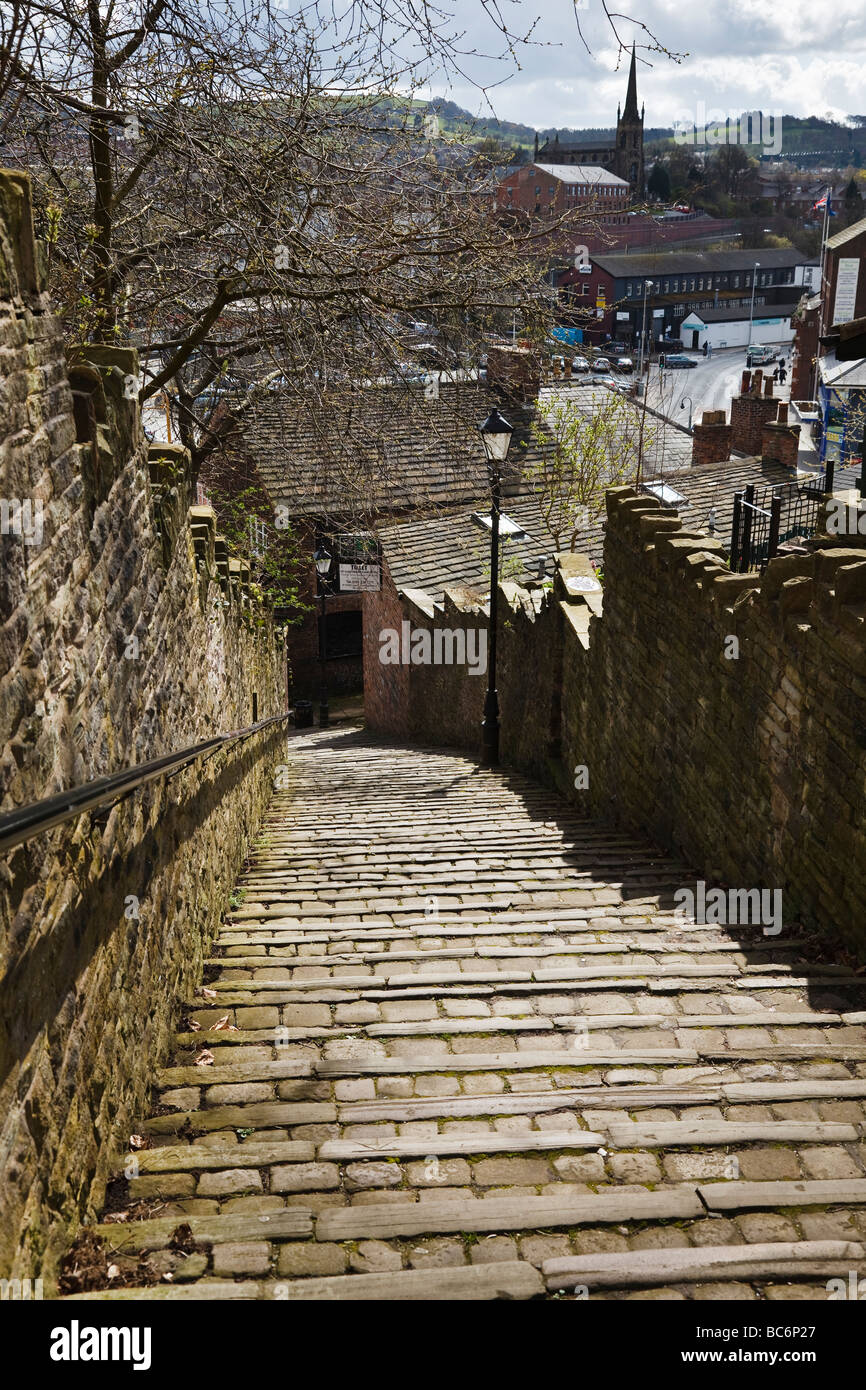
(736, 282)
(667, 286)
(537, 189)
(552, 189)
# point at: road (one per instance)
(710, 385)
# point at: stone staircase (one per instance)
(453, 1042)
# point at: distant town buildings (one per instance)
(614, 295)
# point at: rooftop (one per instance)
(373, 451)
(580, 173)
(453, 552)
(856, 229)
(685, 262)
(733, 314)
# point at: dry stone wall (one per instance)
(126, 632)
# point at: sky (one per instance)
(800, 57)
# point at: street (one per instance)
(708, 386)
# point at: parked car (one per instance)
(608, 381)
(759, 356)
(601, 364)
(676, 359)
(579, 364)
(624, 364)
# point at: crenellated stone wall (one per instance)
(126, 632)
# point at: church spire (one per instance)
(630, 113)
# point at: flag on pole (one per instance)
(823, 205)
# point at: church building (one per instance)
(624, 158)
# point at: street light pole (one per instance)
(648, 285)
(496, 435)
(323, 565)
(752, 308)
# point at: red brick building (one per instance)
(552, 189)
(836, 302)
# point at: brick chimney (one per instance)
(711, 441)
(780, 440)
(750, 411)
(514, 371)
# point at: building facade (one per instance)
(608, 295)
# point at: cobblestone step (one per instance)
(464, 1038)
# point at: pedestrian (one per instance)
(782, 374)
(776, 371)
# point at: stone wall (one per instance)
(126, 632)
(725, 714)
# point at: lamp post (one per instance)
(323, 565)
(496, 435)
(752, 309)
(647, 285)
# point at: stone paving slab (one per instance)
(643, 1268)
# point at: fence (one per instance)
(764, 521)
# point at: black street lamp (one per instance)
(323, 565)
(496, 437)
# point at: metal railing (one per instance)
(27, 821)
(762, 522)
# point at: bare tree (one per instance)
(584, 447)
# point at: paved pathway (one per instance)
(452, 1045)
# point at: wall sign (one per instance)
(360, 579)
(846, 289)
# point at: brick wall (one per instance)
(126, 632)
(435, 702)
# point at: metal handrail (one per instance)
(28, 821)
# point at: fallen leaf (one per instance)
(208, 993)
(204, 1058)
(194, 1027)
(112, 1272)
(137, 1141)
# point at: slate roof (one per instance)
(688, 262)
(847, 234)
(581, 173)
(379, 450)
(452, 552)
(666, 445)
